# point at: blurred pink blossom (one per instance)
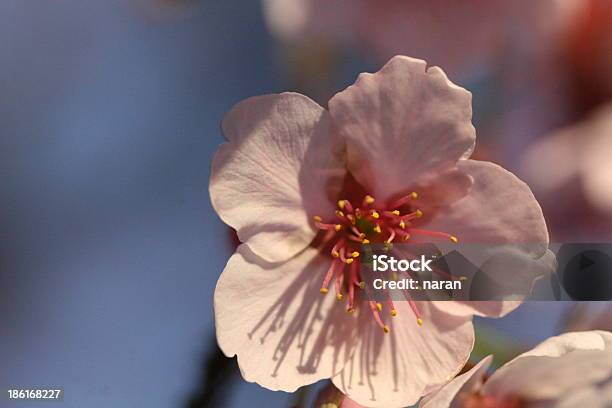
(572, 165)
(573, 370)
(305, 187)
(458, 35)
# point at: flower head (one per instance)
(305, 187)
(571, 370)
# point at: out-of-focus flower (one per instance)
(305, 188)
(575, 161)
(573, 370)
(457, 35)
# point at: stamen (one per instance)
(376, 315)
(324, 226)
(416, 312)
(392, 307)
(416, 214)
(368, 200)
(343, 257)
(335, 252)
(338, 282)
(330, 273)
(377, 229)
(403, 200)
(375, 214)
(355, 239)
(391, 235)
(435, 234)
(357, 232)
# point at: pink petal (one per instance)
(272, 316)
(277, 170)
(402, 125)
(395, 369)
(556, 368)
(500, 209)
(467, 382)
(512, 274)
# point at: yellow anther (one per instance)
(355, 254)
(454, 239)
(406, 237)
(349, 261)
(324, 290)
(334, 253)
(369, 199)
(379, 306)
(339, 213)
(365, 241)
(377, 229)
(350, 310)
(339, 296)
(395, 212)
(386, 329)
(376, 215)
(402, 224)
(341, 204)
(418, 213)
(420, 321)
(414, 194)
(393, 312)
(337, 227)
(361, 285)
(316, 218)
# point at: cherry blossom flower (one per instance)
(455, 35)
(572, 161)
(573, 370)
(306, 187)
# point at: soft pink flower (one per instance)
(457, 35)
(575, 161)
(305, 187)
(573, 370)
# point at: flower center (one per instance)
(368, 223)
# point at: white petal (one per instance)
(403, 124)
(272, 316)
(277, 170)
(467, 382)
(395, 369)
(556, 367)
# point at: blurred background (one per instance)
(109, 117)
